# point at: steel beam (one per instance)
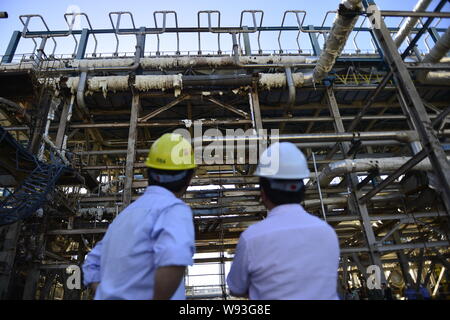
(229, 108)
(164, 108)
(414, 105)
(83, 44)
(352, 180)
(12, 47)
(314, 42)
(424, 14)
(402, 259)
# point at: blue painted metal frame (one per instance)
(314, 42)
(83, 44)
(12, 47)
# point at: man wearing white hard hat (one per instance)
(290, 255)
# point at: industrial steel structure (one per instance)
(75, 131)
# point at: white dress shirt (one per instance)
(156, 230)
(291, 255)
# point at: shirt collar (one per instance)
(290, 207)
(159, 190)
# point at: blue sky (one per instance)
(97, 11)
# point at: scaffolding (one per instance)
(372, 122)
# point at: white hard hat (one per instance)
(282, 161)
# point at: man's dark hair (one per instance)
(154, 178)
(280, 197)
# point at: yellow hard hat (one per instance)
(171, 152)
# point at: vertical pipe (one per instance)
(131, 151)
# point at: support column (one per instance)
(314, 42)
(12, 47)
(247, 48)
(39, 123)
(352, 179)
(131, 151)
(83, 44)
(257, 124)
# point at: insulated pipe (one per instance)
(342, 27)
(292, 92)
(339, 201)
(283, 63)
(80, 90)
(436, 54)
(163, 63)
(439, 50)
(342, 167)
(410, 23)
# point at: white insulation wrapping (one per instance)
(342, 27)
(410, 23)
(164, 63)
(437, 54)
(337, 168)
(159, 82)
(105, 84)
(278, 80)
(100, 84)
(121, 83)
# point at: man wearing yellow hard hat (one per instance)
(146, 249)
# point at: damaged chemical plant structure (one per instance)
(362, 91)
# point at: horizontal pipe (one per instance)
(384, 165)
(402, 136)
(435, 55)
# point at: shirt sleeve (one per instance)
(91, 266)
(238, 278)
(174, 237)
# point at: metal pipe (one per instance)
(402, 136)
(410, 23)
(336, 201)
(158, 63)
(292, 92)
(80, 90)
(342, 27)
(435, 55)
(342, 167)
